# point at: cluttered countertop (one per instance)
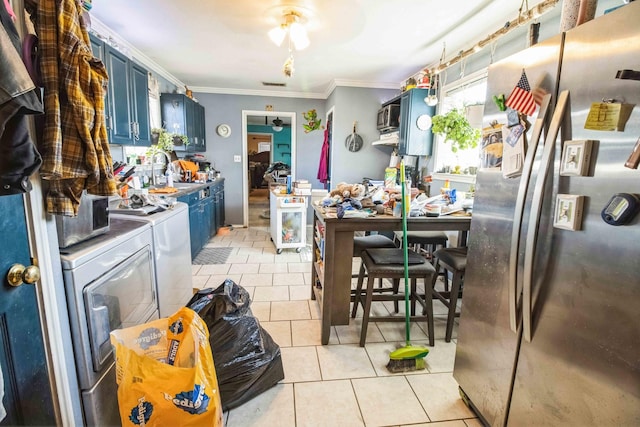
(141, 194)
(380, 199)
(153, 199)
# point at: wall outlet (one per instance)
(237, 158)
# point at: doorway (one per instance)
(282, 149)
(260, 156)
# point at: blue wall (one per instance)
(281, 142)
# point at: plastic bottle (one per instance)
(406, 203)
(169, 175)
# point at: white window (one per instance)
(467, 94)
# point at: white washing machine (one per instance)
(172, 252)
(110, 284)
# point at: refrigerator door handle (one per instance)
(536, 208)
(519, 210)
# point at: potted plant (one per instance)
(456, 129)
(165, 141)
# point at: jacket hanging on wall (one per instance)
(323, 166)
(19, 157)
(74, 146)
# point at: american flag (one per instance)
(521, 98)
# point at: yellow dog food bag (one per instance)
(165, 373)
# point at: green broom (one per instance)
(410, 357)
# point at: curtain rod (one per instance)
(523, 18)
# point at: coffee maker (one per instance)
(411, 169)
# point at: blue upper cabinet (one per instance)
(99, 51)
(127, 106)
(184, 116)
(119, 89)
(416, 138)
(140, 110)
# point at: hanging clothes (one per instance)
(74, 146)
(19, 157)
(323, 167)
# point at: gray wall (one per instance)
(360, 105)
(351, 104)
(220, 108)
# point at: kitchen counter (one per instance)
(185, 188)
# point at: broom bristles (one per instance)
(407, 358)
(405, 365)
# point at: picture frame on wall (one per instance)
(576, 158)
(568, 212)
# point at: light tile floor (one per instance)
(340, 384)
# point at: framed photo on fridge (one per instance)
(576, 158)
(568, 212)
(491, 148)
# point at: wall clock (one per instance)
(223, 130)
(424, 122)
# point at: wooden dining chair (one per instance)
(455, 261)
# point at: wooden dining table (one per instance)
(333, 255)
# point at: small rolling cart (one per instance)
(288, 220)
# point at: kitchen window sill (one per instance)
(454, 177)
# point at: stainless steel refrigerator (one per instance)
(549, 332)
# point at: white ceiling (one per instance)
(222, 45)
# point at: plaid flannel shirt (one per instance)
(74, 145)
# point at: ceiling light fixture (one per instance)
(277, 124)
(293, 27)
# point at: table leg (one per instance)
(342, 275)
(336, 290)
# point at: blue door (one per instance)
(27, 393)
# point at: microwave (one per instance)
(388, 117)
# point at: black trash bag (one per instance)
(246, 358)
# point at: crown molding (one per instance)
(257, 92)
(114, 39)
(308, 95)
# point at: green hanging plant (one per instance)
(165, 141)
(456, 129)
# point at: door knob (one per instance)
(19, 274)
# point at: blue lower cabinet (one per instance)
(207, 223)
(217, 192)
(206, 214)
(194, 229)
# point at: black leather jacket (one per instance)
(19, 157)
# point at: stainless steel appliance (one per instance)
(172, 250)
(388, 118)
(92, 220)
(110, 284)
(550, 327)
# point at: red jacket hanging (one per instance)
(323, 167)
